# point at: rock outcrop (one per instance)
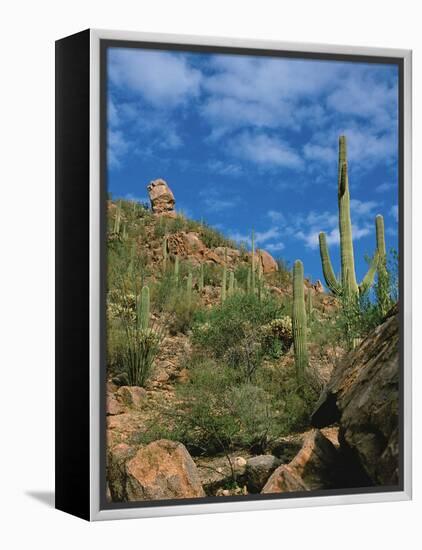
(162, 198)
(312, 468)
(258, 470)
(363, 397)
(162, 470)
(269, 265)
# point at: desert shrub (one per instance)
(277, 336)
(215, 413)
(212, 238)
(212, 274)
(232, 332)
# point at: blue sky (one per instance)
(251, 142)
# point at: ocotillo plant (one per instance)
(189, 284)
(382, 289)
(347, 283)
(248, 281)
(164, 254)
(299, 321)
(143, 309)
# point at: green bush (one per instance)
(233, 333)
(213, 238)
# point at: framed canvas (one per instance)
(233, 275)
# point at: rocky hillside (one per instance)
(219, 409)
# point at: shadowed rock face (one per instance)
(363, 396)
(162, 198)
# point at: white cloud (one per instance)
(224, 168)
(320, 153)
(385, 187)
(395, 212)
(264, 150)
(117, 147)
(161, 78)
(360, 208)
(274, 247)
(275, 216)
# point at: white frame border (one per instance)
(205, 508)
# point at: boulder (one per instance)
(269, 265)
(363, 397)
(312, 468)
(162, 470)
(113, 406)
(162, 198)
(116, 471)
(185, 245)
(131, 395)
(258, 470)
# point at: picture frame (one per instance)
(81, 280)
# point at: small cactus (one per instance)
(176, 269)
(253, 263)
(189, 285)
(231, 284)
(309, 304)
(382, 289)
(143, 309)
(248, 281)
(117, 217)
(165, 254)
(201, 278)
(299, 322)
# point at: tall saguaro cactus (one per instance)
(299, 324)
(347, 284)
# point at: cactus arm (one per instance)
(299, 324)
(370, 274)
(327, 267)
(379, 228)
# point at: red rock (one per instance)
(113, 406)
(161, 197)
(163, 469)
(131, 395)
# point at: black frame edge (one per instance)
(72, 447)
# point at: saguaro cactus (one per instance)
(309, 304)
(143, 309)
(253, 263)
(382, 289)
(189, 284)
(176, 269)
(347, 283)
(164, 254)
(299, 321)
(117, 217)
(224, 278)
(231, 283)
(201, 278)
